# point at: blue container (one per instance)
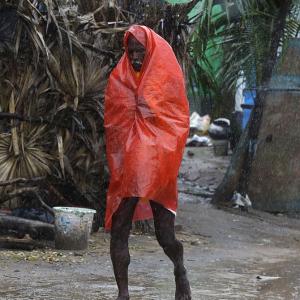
(249, 99)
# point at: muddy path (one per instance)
(229, 254)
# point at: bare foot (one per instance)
(183, 290)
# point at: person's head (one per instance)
(136, 53)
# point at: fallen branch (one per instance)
(43, 203)
(34, 120)
(20, 192)
(40, 120)
(36, 229)
(21, 180)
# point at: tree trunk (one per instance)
(237, 175)
(231, 180)
(257, 114)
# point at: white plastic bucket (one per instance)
(72, 227)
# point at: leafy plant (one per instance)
(243, 35)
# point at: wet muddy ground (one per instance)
(229, 254)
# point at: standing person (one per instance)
(146, 121)
(236, 123)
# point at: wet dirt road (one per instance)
(228, 254)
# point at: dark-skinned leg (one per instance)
(164, 222)
(119, 253)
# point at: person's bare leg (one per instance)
(119, 253)
(164, 222)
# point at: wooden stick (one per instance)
(19, 192)
(43, 203)
(37, 120)
(22, 180)
(40, 120)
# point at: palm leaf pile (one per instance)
(55, 58)
(52, 78)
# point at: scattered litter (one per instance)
(219, 129)
(199, 124)
(190, 153)
(240, 201)
(266, 278)
(198, 141)
(48, 256)
(195, 242)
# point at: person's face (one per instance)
(136, 53)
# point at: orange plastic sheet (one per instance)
(146, 121)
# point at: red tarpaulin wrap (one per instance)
(146, 121)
